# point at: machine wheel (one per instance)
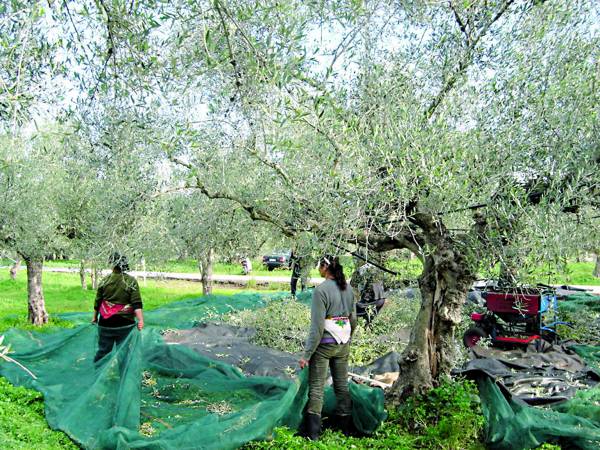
(472, 336)
(270, 268)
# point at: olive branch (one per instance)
(5, 350)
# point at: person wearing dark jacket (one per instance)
(118, 304)
(333, 320)
(296, 273)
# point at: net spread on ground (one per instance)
(153, 392)
(185, 382)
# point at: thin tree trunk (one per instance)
(143, 264)
(205, 264)
(430, 353)
(597, 267)
(37, 308)
(94, 275)
(82, 275)
(15, 269)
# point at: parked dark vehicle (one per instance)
(277, 259)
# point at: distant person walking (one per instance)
(333, 320)
(118, 304)
(296, 273)
(246, 265)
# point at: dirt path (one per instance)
(239, 280)
(217, 278)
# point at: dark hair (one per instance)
(118, 261)
(335, 269)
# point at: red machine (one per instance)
(517, 316)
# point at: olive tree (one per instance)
(32, 182)
(462, 131)
(207, 230)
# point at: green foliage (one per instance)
(585, 325)
(281, 325)
(447, 418)
(284, 326)
(388, 331)
(547, 446)
(22, 422)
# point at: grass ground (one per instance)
(63, 293)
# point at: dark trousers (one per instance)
(334, 356)
(369, 310)
(109, 337)
(294, 284)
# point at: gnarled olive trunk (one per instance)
(14, 269)
(37, 307)
(205, 264)
(444, 285)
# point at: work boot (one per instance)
(312, 426)
(346, 425)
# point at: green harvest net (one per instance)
(575, 424)
(148, 394)
(577, 302)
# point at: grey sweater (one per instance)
(328, 301)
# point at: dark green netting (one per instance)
(575, 302)
(591, 354)
(147, 394)
(511, 424)
(191, 312)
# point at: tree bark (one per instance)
(143, 264)
(15, 269)
(82, 275)
(94, 275)
(597, 267)
(205, 264)
(37, 307)
(429, 356)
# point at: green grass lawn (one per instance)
(63, 293)
(578, 273)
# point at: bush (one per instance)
(281, 325)
(448, 417)
(22, 422)
(284, 325)
(585, 327)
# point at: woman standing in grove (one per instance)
(333, 320)
(118, 304)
